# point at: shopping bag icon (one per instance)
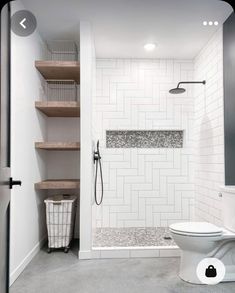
(211, 272)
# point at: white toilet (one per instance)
(199, 240)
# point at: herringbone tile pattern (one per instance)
(145, 187)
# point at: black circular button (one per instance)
(23, 23)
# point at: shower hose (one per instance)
(97, 161)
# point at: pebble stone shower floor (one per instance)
(125, 237)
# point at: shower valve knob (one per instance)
(96, 156)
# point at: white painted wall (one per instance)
(87, 63)
(63, 164)
(27, 126)
(144, 187)
(209, 131)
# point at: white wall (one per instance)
(144, 187)
(63, 164)
(209, 130)
(27, 126)
(87, 64)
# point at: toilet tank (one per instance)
(228, 207)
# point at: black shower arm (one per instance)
(191, 82)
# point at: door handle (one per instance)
(13, 182)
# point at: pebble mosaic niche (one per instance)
(144, 138)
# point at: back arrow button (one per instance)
(22, 23)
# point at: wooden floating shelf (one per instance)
(58, 146)
(59, 70)
(59, 109)
(58, 184)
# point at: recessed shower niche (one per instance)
(144, 138)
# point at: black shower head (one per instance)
(180, 90)
(177, 90)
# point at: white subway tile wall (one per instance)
(145, 187)
(209, 131)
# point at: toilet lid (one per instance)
(196, 228)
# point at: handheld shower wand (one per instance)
(97, 162)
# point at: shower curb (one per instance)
(130, 252)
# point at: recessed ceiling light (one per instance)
(204, 22)
(216, 23)
(149, 46)
(210, 23)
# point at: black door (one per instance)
(5, 148)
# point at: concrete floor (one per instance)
(64, 273)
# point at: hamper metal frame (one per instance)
(60, 216)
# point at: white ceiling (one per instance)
(122, 27)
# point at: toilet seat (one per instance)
(203, 229)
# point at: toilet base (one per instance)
(188, 267)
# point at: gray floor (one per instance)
(120, 237)
(63, 273)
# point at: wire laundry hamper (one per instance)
(61, 50)
(60, 218)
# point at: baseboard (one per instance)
(85, 254)
(17, 271)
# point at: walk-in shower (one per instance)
(180, 90)
(147, 154)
